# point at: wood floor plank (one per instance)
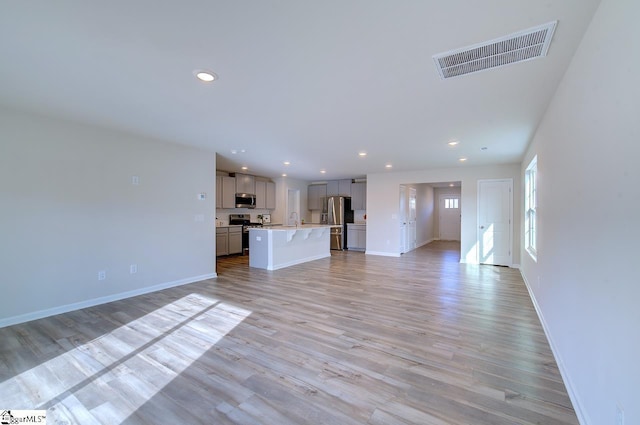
(350, 339)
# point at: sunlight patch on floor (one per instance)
(177, 334)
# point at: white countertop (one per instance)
(280, 228)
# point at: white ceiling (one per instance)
(313, 83)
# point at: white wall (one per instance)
(585, 282)
(69, 210)
(383, 197)
(425, 214)
(283, 184)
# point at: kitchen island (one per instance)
(276, 247)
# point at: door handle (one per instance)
(482, 227)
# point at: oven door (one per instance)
(245, 240)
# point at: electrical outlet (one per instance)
(619, 415)
(202, 196)
(102, 275)
(133, 268)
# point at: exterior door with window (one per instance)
(494, 221)
(449, 217)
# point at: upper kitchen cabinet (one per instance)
(316, 195)
(265, 195)
(359, 196)
(339, 187)
(245, 184)
(225, 192)
(218, 191)
(270, 202)
(261, 194)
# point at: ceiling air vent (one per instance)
(518, 47)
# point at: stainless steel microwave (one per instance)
(245, 200)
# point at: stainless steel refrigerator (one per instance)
(339, 213)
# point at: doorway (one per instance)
(449, 217)
(495, 218)
(293, 207)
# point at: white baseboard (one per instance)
(100, 300)
(383, 253)
(515, 266)
(425, 243)
(573, 395)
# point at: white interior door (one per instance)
(412, 231)
(403, 219)
(495, 211)
(449, 217)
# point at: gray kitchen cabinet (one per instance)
(333, 188)
(245, 184)
(316, 195)
(359, 196)
(228, 192)
(235, 240)
(270, 202)
(222, 241)
(218, 191)
(344, 187)
(339, 187)
(228, 240)
(357, 236)
(265, 195)
(261, 194)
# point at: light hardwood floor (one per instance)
(351, 339)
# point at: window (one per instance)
(451, 203)
(530, 206)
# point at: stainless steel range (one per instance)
(245, 221)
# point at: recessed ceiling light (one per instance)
(244, 168)
(388, 166)
(451, 184)
(362, 153)
(287, 163)
(462, 159)
(323, 171)
(453, 143)
(233, 151)
(206, 76)
(284, 175)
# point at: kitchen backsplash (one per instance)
(359, 216)
(222, 216)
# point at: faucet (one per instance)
(291, 216)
